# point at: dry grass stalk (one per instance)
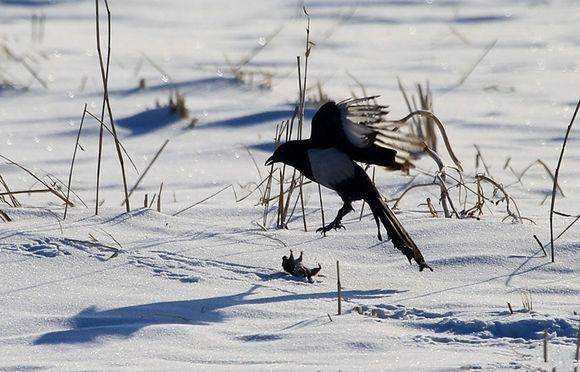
(475, 64)
(403, 142)
(557, 173)
(527, 301)
(321, 209)
(4, 217)
(280, 221)
(159, 198)
(479, 157)
(73, 160)
(302, 87)
(546, 346)
(104, 77)
(541, 245)
(177, 105)
(338, 288)
(153, 160)
(10, 194)
(440, 180)
(265, 198)
(203, 200)
(146, 201)
(110, 131)
(24, 62)
(510, 308)
(577, 356)
(432, 209)
(516, 216)
(422, 127)
(546, 168)
(52, 190)
(41, 191)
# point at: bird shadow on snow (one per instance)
(91, 323)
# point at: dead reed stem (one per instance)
(72, 164)
(557, 173)
(106, 94)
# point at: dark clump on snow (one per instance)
(294, 267)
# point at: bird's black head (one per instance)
(291, 153)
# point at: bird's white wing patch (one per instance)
(356, 133)
(330, 166)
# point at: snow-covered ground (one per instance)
(204, 289)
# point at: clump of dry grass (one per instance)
(177, 105)
(527, 301)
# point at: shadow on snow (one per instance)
(90, 324)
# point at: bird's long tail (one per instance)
(397, 233)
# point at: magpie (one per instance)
(338, 139)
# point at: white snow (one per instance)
(205, 289)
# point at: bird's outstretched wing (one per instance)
(358, 127)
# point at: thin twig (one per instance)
(148, 167)
(475, 64)
(203, 200)
(552, 204)
(73, 160)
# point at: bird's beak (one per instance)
(270, 161)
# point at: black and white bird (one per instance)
(342, 134)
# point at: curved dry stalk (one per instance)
(397, 200)
(430, 115)
(516, 216)
(541, 162)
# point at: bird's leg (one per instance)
(336, 224)
(378, 227)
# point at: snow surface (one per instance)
(205, 289)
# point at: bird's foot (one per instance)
(331, 226)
